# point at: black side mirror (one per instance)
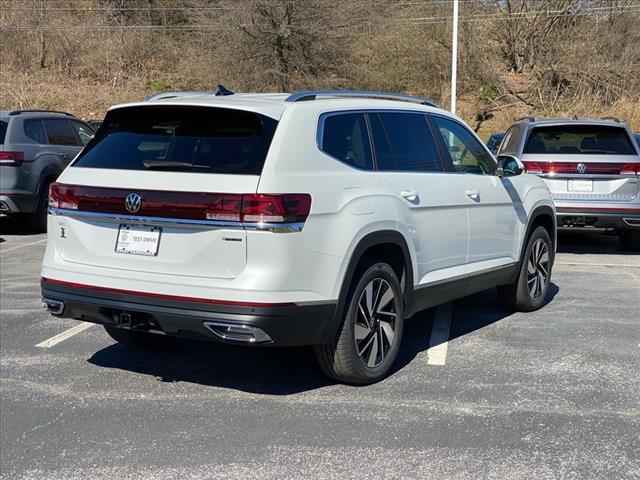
(509, 166)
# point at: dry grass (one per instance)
(587, 72)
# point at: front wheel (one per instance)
(371, 332)
(529, 291)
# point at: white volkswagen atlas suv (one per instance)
(317, 218)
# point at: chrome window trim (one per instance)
(291, 227)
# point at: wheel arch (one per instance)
(367, 248)
(545, 216)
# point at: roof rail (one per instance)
(614, 119)
(35, 110)
(526, 119)
(220, 91)
(306, 95)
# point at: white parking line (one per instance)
(61, 337)
(18, 247)
(591, 264)
(439, 341)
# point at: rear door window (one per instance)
(345, 137)
(579, 140)
(60, 132)
(181, 139)
(34, 131)
(403, 142)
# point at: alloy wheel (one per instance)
(375, 324)
(538, 268)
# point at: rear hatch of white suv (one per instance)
(160, 190)
(591, 166)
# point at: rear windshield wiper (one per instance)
(162, 164)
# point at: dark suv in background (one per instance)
(35, 146)
(592, 168)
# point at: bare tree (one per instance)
(287, 39)
(527, 29)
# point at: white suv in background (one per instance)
(318, 218)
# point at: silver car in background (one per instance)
(592, 168)
(35, 146)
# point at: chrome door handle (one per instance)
(473, 195)
(410, 196)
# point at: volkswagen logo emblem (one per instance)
(581, 168)
(133, 202)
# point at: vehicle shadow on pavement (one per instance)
(581, 242)
(269, 371)
(287, 371)
(13, 226)
(469, 315)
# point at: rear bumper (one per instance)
(17, 203)
(619, 218)
(289, 324)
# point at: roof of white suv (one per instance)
(538, 121)
(274, 104)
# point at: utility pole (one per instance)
(454, 57)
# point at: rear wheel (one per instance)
(38, 219)
(529, 291)
(140, 340)
(371, 332)
(630, 240)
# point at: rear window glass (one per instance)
(3, 130)
(579, 140)
(345, 137)
(181, 139)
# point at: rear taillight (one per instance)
(534, 167)
(62, 196)
(275, 208)
(609, 168)
(224, 207)
(11, 159)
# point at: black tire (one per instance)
(37, 220)
(630, 240)
(139, 340)
(523, 295)
(352, 360)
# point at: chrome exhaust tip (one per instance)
(54, 307)
(234, 332)
(632, 222)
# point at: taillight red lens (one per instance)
(630, 169)
(224, 207)
(606, 168)
(62, 196)
(534, 167)
(11, 159)
(260, 208)
(227, 207)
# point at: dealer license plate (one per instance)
(138, 240)
(581, 186)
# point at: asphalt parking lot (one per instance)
(478, 392)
